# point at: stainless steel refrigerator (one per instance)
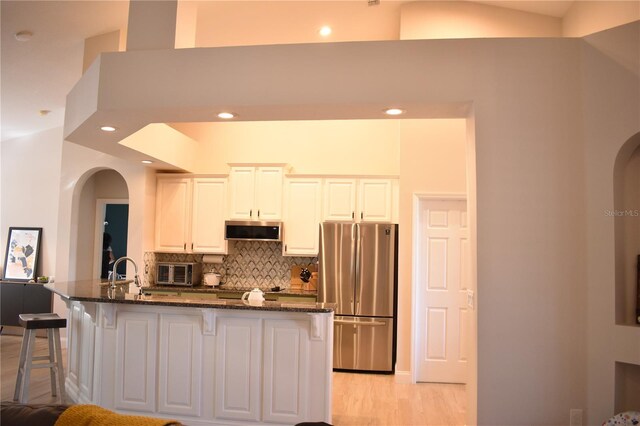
(358, 272)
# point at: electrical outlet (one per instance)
(575, 417)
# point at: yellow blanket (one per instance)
(92, 415)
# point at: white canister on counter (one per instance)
(211, 279)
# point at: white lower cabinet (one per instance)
(238, 368)
(180, 364)
(286, 363)
(201, 366)
(135, 354)
(81, 343)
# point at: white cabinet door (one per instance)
(208, 214)
(375, 202)
(241, 201)
(180, 364)
(303, 209)
(268, 195)
(339, 199)
(135, 352)
(76, 312)
(173, 206)
(286, 363)
(87, 345)
(238, 360)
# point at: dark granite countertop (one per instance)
(221, 289)
(95, 291)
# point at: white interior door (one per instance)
(443, 277)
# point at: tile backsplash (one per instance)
(249, 264)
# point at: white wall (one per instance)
(588, 17)
(610, 111)
(308, 147)
(79, 164)
(29, 190)
(461, 19)
(432, 161)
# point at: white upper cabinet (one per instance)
(173, 219)
(340, 199)
(190, 215)
(375, 203)
(256, 193)
(302, 216)
(360, 200)
(208, 214)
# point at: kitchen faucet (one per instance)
(136, 278)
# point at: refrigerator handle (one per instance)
(356, 256)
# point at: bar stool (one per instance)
(32, 322)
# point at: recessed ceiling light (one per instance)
(325, 31)
(147, 161)
(44, 112)
(23, 35)
(393, 111)
(108, 129)
(226, 115)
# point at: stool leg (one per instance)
(52, 360)
(31, 345)
(23, 356)
(59, 365)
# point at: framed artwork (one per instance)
(23, 249)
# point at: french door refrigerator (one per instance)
(358, 272)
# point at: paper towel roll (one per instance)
(212, 258)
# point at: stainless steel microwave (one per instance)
(180, 274)
(252, 230)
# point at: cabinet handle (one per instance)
(353, 215)
(285, 248)
(250, 212)
(258, 213)
(185, 246)
(361, 215)
(191, 246)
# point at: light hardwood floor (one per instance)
(358, 399)
(372, 399)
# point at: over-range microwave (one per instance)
(252, 230)
(182, 274)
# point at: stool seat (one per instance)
(33, 322)
(39, 321)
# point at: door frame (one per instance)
(98, 227)
(418, 199)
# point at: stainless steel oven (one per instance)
(180, 274)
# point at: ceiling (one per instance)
(36, 75)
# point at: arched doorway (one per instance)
(102, 189)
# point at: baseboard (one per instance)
(403, 377)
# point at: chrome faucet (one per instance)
(136, 278)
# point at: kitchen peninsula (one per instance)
(199, 361)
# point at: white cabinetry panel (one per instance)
(208, 214)
(242, 181)
(375, 202)
(180, 364)
(238, 359)
(360, 200)
(135, 379)
(303, 210)
(286, 363)
(268, 193)
(256, 193)
(173, 204)
(85, 379)
(339, 199)
(74, 343)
